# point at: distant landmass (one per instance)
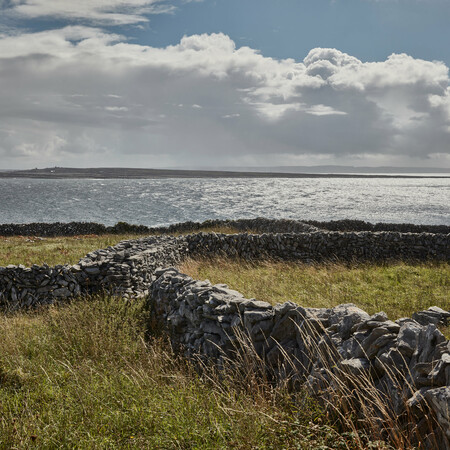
(253, 172)
(336, 169)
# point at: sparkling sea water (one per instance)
(158, 202)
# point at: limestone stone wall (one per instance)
(407, 361)
(126, 269)
(360, 225)
(321, 245)
(22, 287)
(259, 225)
(51, 229)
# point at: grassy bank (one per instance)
(399, 289)
(82, 375)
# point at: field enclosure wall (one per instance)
(257, 225)
(128, 267)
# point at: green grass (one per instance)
(399, 289)
(29, 250)
(82, 376)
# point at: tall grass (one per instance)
(83, 375)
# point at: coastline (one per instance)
(133, 173)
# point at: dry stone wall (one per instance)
(128, 267)
(360, 225)
(321, 245)
(51, 229)
(407, 360)
(258, 225)
(22, 287)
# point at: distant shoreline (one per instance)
(131, 173)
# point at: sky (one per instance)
(224, 83)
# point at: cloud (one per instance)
(441, 103)
(82, 96)
(112, 12)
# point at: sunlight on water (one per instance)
(162, 202)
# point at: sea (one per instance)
(160, 202)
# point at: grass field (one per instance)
(86, 374)
(83, 376)
(28, 250)
(399, 289)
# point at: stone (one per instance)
(429, 338)
(416, 401)
(259, 305)
(382, 341)
(437, 373)
(286, 326)
(355, 366)
(348, 323)
(439, 399)
(281, 309)
(433, 315)
(338, 313)
(263, 327)
(257, 316)
(213, 329)
(408, 337)
(62, 292)
(379, 317)
(372, 338)
(227, 308)
(390, 360)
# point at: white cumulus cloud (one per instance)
(82, 96)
